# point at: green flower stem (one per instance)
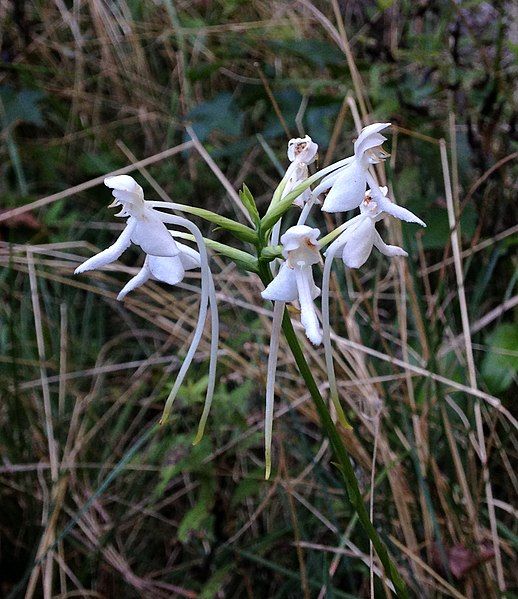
(339, 450)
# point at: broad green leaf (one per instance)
(21, 106)
(221, 113)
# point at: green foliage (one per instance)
(500, 363)
(21, 106)
(216, 581)
(199, 518)
(220, 114)
(317, 52)
(249, 203)
(240, 231)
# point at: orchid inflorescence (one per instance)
(286, 270)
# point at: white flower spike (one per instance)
(166, 260)
(295, 278)
(347, 183)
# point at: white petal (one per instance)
(387, 250)
(283, 287)
(328, 181)
(139, 279)
(169, 269)
(359, 244)
(190, 258)
(109, 254)
(125, 189)
(124, 183)
(347, 228)
(348, 189)
(308, 314)
(369, 138)
(297, 235)
(307, 155)
(399, 212)
(154, 238)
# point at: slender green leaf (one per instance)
(282, 206)
(237, 229)
(249, 203)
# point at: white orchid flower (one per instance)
(294, 282)
(302, 151)
(166, 260)
(358, 239)
(355, 243)
(347, 183)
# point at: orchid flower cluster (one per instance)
(345, 185)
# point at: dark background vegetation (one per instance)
(79, 77)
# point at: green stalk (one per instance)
(339, 450)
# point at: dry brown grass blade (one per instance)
(234, 196)
(455, 243)
(61, 195)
